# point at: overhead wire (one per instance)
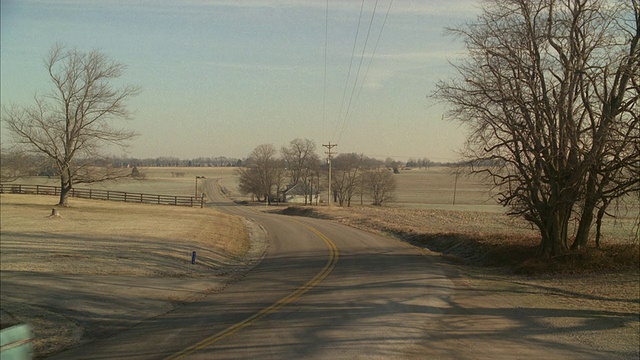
(353, 52)
(375, 48)
(355, 83)
(324, 93)
(345, 115)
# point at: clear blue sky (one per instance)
(220, 77)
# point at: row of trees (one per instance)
(268, 173)
(549, 92)
(170, 161)
(16, 164)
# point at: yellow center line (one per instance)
(331, 263)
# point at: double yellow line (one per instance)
(331, 263)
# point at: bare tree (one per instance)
(347, 172)
(72, 123)
(249, 181)
(381, 184)
(301, 162)
(550, 94)
(263, 172)
(299, 157)
(612, 160)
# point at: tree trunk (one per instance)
(601, 212)
(66, 185)
(582, 236)
(554, 231)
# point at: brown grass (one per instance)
(102, 237)
(480, 239)
(96, 238)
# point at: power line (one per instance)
(375, 48)
(353, 53)
(324, 93)
(355, 83)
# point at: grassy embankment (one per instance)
(475, 230)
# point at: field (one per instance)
(71, 276)
(429, 190)
(118, 242)
(159, 180)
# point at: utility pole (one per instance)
(330, 154)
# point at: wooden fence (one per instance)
(97, 194)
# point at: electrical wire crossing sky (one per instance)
(220, 77)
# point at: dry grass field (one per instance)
(95, 250)
(104, 237)
(157, 181)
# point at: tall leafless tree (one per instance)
(347, 172)
(301, 162)
(263, 173)
(550, 93)
(381, 184)
(73, 122)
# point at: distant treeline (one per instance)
(223, 161)
(219, 161)
(16, 164)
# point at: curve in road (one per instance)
(331, 263)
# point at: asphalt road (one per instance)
(327, 291)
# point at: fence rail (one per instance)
(97, 194)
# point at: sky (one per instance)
(219, 77)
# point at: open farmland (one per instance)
(430, 190)
(437, 186)
(118, 243)
(157, 180)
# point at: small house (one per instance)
(299, 194)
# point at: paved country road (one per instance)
(327, 291)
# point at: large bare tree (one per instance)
(347, 176)
(381, 184)
(302, 163)
(549, 92)
(263, 173)
(73, 122)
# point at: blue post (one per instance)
(193, 257)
